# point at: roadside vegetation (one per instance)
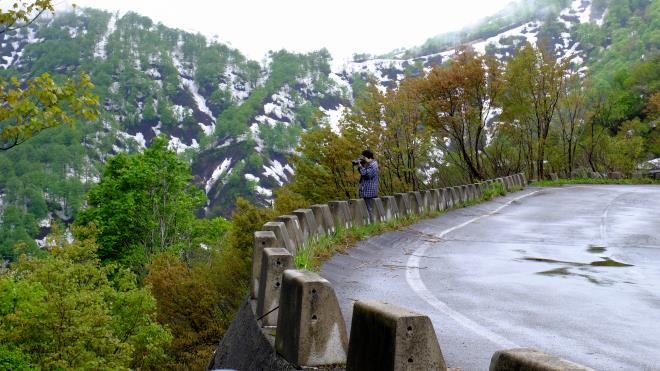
(312, 255)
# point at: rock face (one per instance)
(245, 347)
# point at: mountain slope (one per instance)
(237, 120)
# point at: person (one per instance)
(368, 180)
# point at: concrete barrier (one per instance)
(456, 194)
(467, 192)
(308, 226)
(524, 178)
(431, 200)
(379, 213)
(529, 359)
(261, 240)
(275, 261)
(387, 337)
(340, 214)
(416, 203)
(359, 212)
(437, 196)
(447, 198)
(310, 327)
(293, 227)
(323, 218)
(476, 191)
(403, 203)
(391, 209)
(442, 205)
(282, 235)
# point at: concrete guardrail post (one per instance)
(340, 214)
(391, 207)
(433, 199)
(323, 219)
(379, 213)
(448, 198)
(467, 193)
(310, 327)
(275, 261)
(416, 202)
(442, 204)
(359, 212)
(403, 203)
(293, 227)
(386, 337)
(456, 195)
(261, 240)
(530, 359)
(282, 235)
(308, 226)
(475, 190)
(524, 178)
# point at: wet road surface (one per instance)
(572, 271)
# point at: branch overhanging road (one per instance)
(573, 271)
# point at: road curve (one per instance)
(573, 271)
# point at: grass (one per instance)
(313, 254)
(561, 182)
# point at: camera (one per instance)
(359, 161)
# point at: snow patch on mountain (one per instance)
(99, 49)
(528, 30)
(277, 171)
(221, 169)
(333, 117)
(199, 99)
(138, 138)
(178, 146)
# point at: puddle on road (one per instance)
(605, 262)
(596, 249)
(580, 269)
(564, 272)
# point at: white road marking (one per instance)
(417, 285)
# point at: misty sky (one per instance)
(342, 26)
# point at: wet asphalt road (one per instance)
(572, 271)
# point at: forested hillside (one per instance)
(235, 120)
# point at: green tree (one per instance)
(67, 311)
(144, 204)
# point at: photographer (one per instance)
(368, 179)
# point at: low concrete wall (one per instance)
(293, 227)
(323, 218)
(390, 207)
(379, 211)
(359, 212)
(530, 359)
(447, 198)
(403, 203)
(262, 240)
(386, 337)
(340, 213)
(275, 261)
(416, 202)
(308, 226)
(311, 329)
(282, 235)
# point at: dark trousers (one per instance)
(370, 208)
